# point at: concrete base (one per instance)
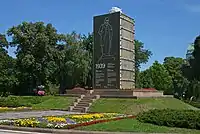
(117, 93)
(137, 93)
(146, 93)
(79, 92)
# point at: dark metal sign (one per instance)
(106, 63)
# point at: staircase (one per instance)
(83, 103)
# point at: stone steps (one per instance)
(83, 103)
(86, 101)
(78, 109)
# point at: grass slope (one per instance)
(132, 125)
(134, 106)
(37, 102)
(55, 102)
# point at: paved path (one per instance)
(18, 132)
(16, 115)
(70, 132)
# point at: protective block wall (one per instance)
(127, 53)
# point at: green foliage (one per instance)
(72, 64)
(193, 89)
(17, 101)
(7, 69)
(142, 56)
(156, 77)
(88, 46)
(173, 66)
(191, 71)
(146, 80)
(8, 80)
(172, 118)
(161, 78)
(195, 62)
(35, 44)
(3, 41)
(46, 57)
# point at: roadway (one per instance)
(18, 132)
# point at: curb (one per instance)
(64, 131)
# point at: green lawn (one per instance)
(37, 102)
(134, 106)
(55, 102)
(132, 125)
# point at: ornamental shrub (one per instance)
(18, 101)
(172, 118)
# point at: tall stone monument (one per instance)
(113, 51)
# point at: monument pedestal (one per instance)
(135, 93)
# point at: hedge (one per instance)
(172, 118)
(17, 101)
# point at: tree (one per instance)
(161, 78)
(195, 62)
(193, 89)
(73, 62)
(146, 79)
(156, 77)
(173, 66)
(142, 56)
(191, 71)
(35, 44)
(7, 64)
(88, 46)
(44, 56)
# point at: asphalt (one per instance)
(18, 132)
(16, 115)
(2, 131)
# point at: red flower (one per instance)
(97, 121)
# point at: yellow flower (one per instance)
(26, 122)
(88, 116)
(4, 108)
(55, 119)
(16, 108)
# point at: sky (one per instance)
(166, 27)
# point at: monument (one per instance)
(189, 52)
(113, 51)
(114, 58)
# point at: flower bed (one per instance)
(67, 121)
(2, 109)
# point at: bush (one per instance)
(172, 118)
(18, 101)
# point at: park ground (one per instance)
(110, 105)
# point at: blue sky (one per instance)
(166, 27)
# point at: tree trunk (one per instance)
(62, 86)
